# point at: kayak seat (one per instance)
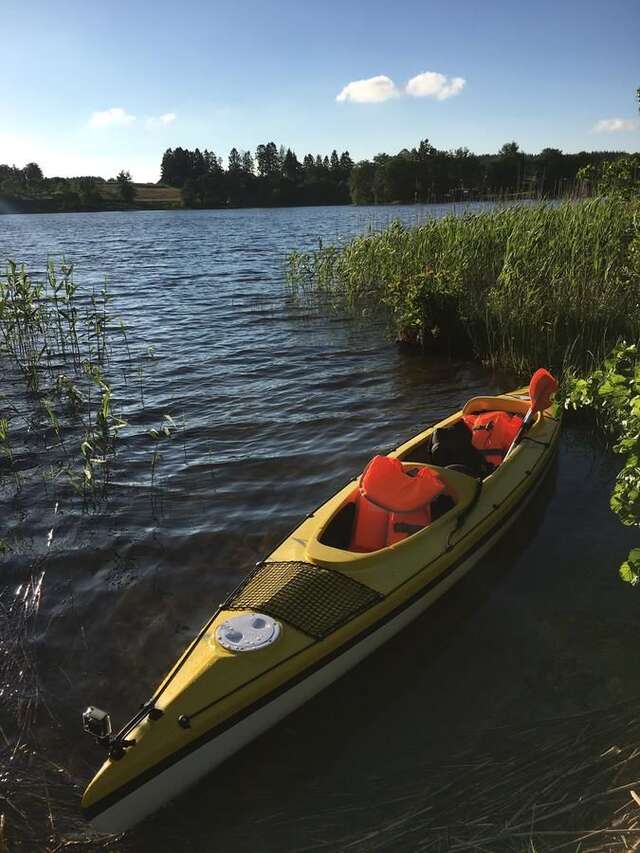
(392, 503)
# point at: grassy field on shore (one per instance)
(153, 196)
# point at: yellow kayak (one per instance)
(323, 600)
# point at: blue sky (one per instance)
(95, 87)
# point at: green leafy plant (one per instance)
(613, 394)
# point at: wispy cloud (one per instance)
(160, 121)
(113, 117)
(615, 125)
(117, 117)
(373, 90)
(432, 84)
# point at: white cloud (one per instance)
(615, 125)
(429, 84)
(432, 84)
(160, 121)
(371, 91)
(113, 117)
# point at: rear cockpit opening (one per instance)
(476, 444)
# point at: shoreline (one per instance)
(11, 207)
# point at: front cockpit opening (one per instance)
(392, 502)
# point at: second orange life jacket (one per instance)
(493, 432)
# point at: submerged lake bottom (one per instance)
(480, 724)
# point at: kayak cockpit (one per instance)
(395, 524)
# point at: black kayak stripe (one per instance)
(124, 790)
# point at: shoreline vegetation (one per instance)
(275, 177)
(519, 286)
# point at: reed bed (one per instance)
(55, 343)
(518, 286)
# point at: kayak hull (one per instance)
(130, 803)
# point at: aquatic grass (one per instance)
(518, 286)
(59, 342)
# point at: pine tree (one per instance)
(247, 163)
(235, 161)
(346, 163)
(290, 166)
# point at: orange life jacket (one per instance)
(493, 432)
(391, 504)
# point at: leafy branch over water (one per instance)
(612, 393)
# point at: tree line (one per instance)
(275, 176)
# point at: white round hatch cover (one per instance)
(248, 632)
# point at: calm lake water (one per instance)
(276, 406)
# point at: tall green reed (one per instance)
(519, 286)
(58, 342)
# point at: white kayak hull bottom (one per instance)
(184, 773)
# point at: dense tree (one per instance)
(32, 173)
(361, 182)
(291, 168)
(346, 165)
(125, 186)
(620, 177)
(268, 160)
(247, 163)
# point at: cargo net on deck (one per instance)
(314, 600)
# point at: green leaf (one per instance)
(630, 569)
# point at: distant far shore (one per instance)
(162, 197)
(147, 197)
